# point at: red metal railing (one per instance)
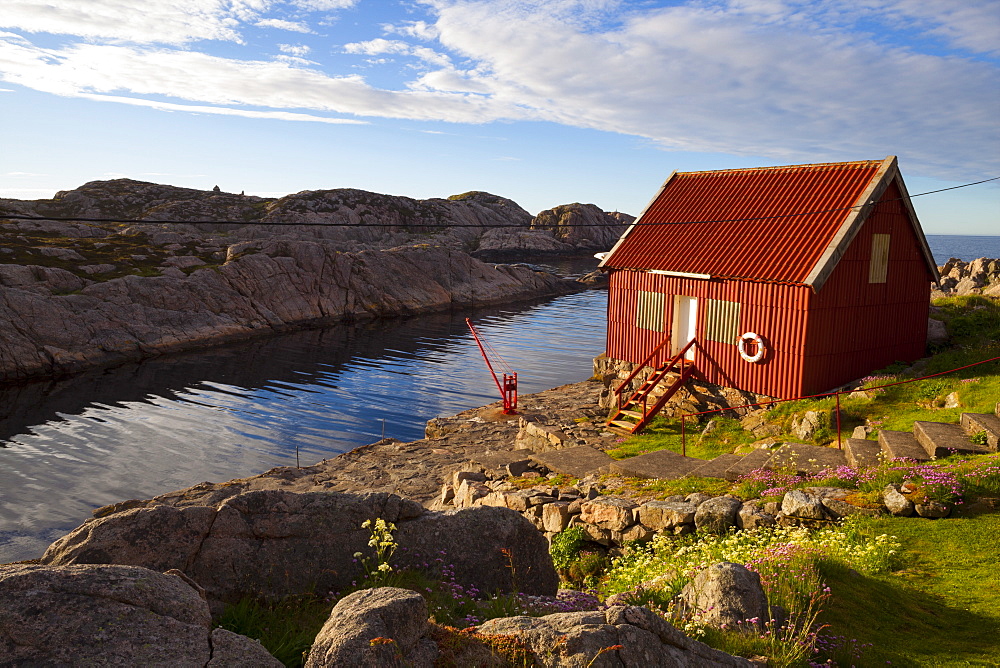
(837, 393)
(649, 358)
(508, 388)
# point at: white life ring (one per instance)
(758, 341)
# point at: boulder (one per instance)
(375, 628)
(805, 427)
(609, 512)
(895, 502)
(839, 509)
(752, 515)
(275, 543)
(797, 503)
(621, 636)
(932, 509)
(717, 515)
(726, 594)
(112, 615)
(659, 515)
(937, 333)
(555, 516)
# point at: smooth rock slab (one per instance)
(275, 543)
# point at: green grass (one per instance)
(943, 609)
(285, 628)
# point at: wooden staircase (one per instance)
(642, 406)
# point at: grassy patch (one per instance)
(285, 628)
(940, 610)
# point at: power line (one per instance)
(74, 219)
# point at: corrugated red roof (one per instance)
(669, 235)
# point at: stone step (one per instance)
(973, 423)
(755, 459)
(940, 439)
(899, 444)
(803, 458)
(862, 452)
(577, 461)
(715, 468)
(664, 464)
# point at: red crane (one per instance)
(508, 388)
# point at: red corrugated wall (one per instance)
(817, 341)
(856, 327)
(773, 310)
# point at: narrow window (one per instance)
(649, 311)
(879, 267)
(722, 321)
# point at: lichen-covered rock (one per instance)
(621, 636)
(659, 515)
(752, 515)
(375, 628)
(932, 509)
(112, 616)
(895, 502)
(727, 594)
(797, 503)
(717, 515)
(609, 512)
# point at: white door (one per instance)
(685, 323)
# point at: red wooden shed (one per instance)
(825, 263)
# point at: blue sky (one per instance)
(542, 101)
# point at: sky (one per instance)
(543, 101)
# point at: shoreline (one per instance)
(415, 470)
(297, 286)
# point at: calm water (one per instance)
(967, 248)
(168, 423)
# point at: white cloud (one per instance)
(299, 50)
(98, 71)
(377, 47)
(281, 24)
(798, 80)
(706, 78)
(225, 111)
(23, 174)
(324, 5)
(418, 29)
(973, 25)
(163, 21)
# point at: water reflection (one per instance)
(145, 428)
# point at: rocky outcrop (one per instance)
(80, 294)
(275, 285)
(276, 543)
(112, 616)
(582, 225)
(981, 276)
